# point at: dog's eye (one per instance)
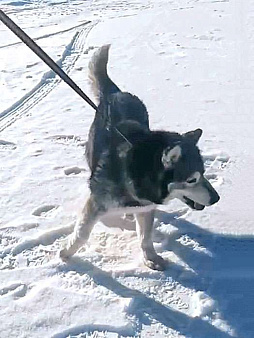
(191, 180)
(194, 178)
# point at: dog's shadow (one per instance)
(226, 275)
(224, 270)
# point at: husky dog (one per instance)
(133, 168)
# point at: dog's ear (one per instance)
(193, 135)
(171, 156)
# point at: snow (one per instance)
(191, 63)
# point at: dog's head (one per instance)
(184, 173)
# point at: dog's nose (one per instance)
(214, 198)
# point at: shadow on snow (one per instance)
(227, 276)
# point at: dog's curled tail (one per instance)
(102, 85)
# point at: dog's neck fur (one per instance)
(142, 163)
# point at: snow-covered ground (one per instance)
(191, 62)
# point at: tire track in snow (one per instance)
(49, 80)
(47, 35)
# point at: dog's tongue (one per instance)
(198, 206)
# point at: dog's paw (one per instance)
(156, 263)
(64, 254)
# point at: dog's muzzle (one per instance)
(192, 204)
(196, 197)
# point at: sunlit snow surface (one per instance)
(191, 62)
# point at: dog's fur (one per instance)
(133, 168)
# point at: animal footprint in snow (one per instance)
(32, 65)
(20, 225)
(73, 170)
(15, 290)
(36, 152)
(44, 210)
(213, 165)
(214, 161)
(7, 145)
(28, 226)
(65, 139)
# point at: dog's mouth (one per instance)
(192, 204)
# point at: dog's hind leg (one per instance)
(82, 229)
(144, 228)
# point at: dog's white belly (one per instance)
(129, 210)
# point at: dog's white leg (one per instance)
(144, 227)
(82, 229)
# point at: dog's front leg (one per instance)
(82, 229)
(144, 227)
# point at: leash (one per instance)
(109, 126)
(52, 64)
(44, 57)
